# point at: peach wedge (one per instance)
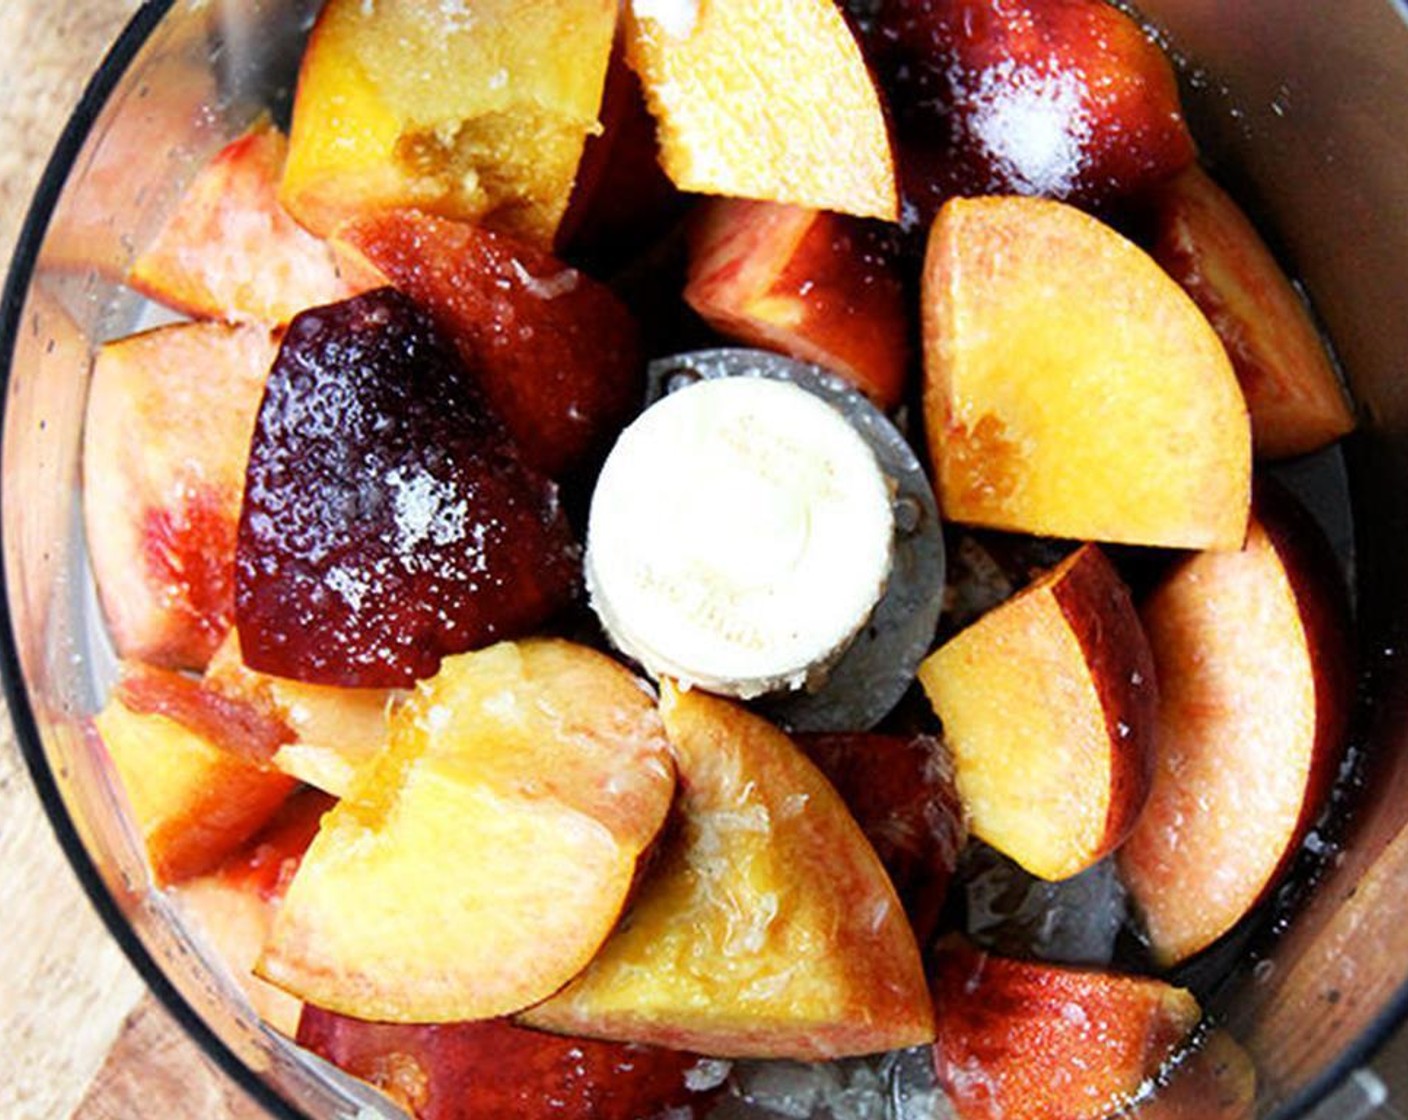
(230, 251)
(195, 767)
(1254, 669)
(233, 907)
(767, 929)
(765, 99)
(1025, 1040)
(479, 863)
(494, 1070)
(1048, 705)
(477, 111)
(170, 416)
(556, 354)
(1072, 389)
(1210, 247)
(822, 287)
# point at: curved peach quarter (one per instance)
(166, 438)
(230, 251)
(1048, 704)
(1253, 660)
(1210, 247)
(765, 99)
(1072, 389)
(477, 111)
(767, 928)
(1026, 1040)
(478, 864)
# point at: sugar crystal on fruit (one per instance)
(1033, 125)
(350, 584)
(387, 517)
(457, 16)
(426, 508)
(546, 287)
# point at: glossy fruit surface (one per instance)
(1071, 388)
(1024, 1040)
(470, 1071)
(387, 519)
(1049, 703)
(1255, 677)
(767, 928)
(901, 792)
(164, 455)
(1068, 99)
(555, 354)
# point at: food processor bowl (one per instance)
(1300, 106)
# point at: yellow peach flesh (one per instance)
(1047, 703)
(769, 100)
(479, 862)
(1072, 388)
(478, 112)
(767, 929)
(193, 802)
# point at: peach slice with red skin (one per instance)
(1206, 243)
(766, 928)
(1255, 682)
(195, 766)
(478, 863)
(901, 791)
(234, 905)
(1072, 389)
(387, 519)
(230, 251)
(1069, 99)
(555, 353)
(822, 287)
(399, 104)
(712, 74)
(467, 1071)
(1048, 704)
(1025, 1040)
(169, 420)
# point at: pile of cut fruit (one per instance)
(447, 660)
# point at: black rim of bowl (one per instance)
(22, 266)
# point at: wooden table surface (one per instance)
(79, 1036)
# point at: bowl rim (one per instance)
(76, 132)
(22, 266)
